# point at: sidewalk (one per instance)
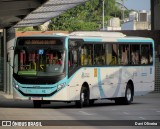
(5, 96)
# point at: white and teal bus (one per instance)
(83, 67)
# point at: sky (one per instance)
(137, 4)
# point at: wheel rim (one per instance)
(129, 95)
(82, 97)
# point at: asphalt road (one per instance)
(143, 108)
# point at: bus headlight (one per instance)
(16, 86)
(60, 86)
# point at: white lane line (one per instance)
(142, 118)
(85, 113)
(126, 113)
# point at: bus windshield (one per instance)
(39, 57)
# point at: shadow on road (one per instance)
(10, 103)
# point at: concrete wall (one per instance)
(136, 25)
(142, 26)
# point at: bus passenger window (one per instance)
(99, 54)
(125, 54)
(144, 54)
(112, 54)
(86, 54)
(150, 54)
(134, 54)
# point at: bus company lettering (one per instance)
(84, 75)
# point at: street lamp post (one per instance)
(103, 15)
(123, 11)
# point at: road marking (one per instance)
(85, 113)
(157, 111)
(142, 118)
(126, 113)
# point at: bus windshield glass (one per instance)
(39, 57)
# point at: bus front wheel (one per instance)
(84, 98)
(37, 104)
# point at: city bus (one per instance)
(83, 67)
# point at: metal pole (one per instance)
(8, 86)
(5, 60)
(10, 79)
(103, 15)
(152, 14)
(123, 11)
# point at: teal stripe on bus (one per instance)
(92, 39)
(138, 40)
(100, 84)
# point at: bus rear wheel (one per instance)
(128, 96)
(37, 104)
(84, 98)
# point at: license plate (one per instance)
(36, 98)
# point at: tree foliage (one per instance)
(87, 16)
(25, 29)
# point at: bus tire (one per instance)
(91, 102)
(84, 98)
(37, 104)
(128, 95)
(118, 101)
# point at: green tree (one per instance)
(25, 29)
(87, 16)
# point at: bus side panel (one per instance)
(76, 81)
(149, 79)
(115, 80)
(144, 80)
(111, 81)
(128, 73)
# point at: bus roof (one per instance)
(97, 36)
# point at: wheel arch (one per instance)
(130, 82)
(86, 85)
